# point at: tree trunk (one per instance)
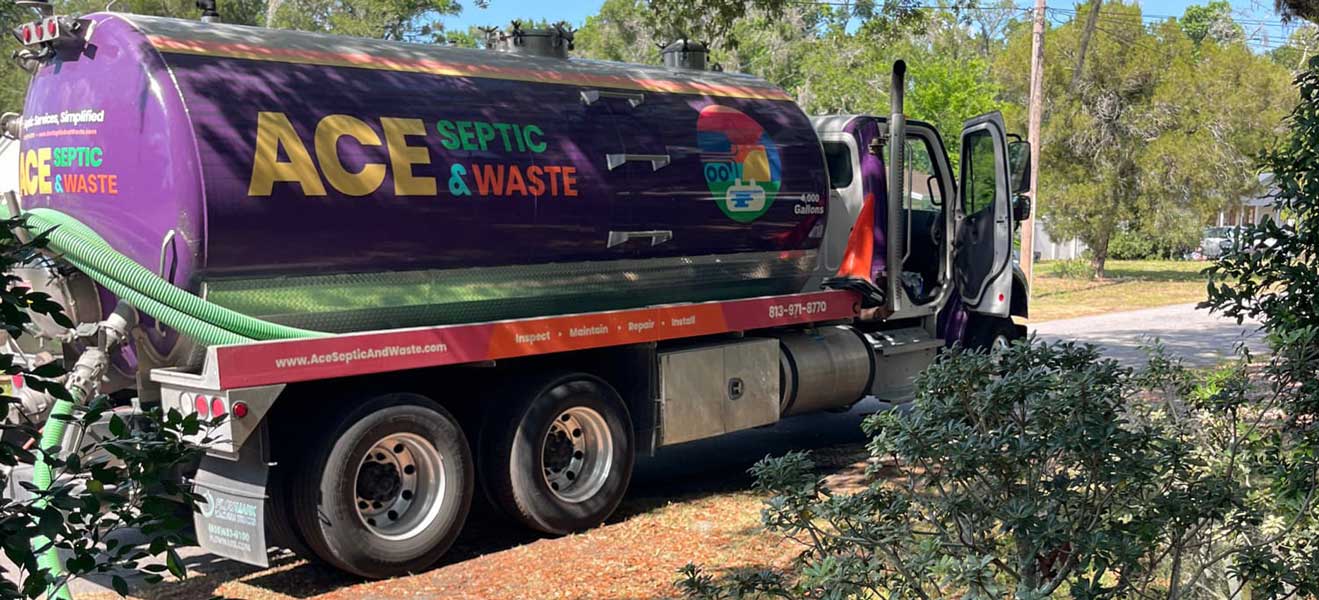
(1099, 253)
(1086, 33)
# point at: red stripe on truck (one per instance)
(287, 361)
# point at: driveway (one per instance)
(1201, 339)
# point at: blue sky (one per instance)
(1259, 13)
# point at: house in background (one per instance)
(1046, 248)
(1252, 209)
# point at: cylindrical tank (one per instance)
(347, 184)
(823, 369)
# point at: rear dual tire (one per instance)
(559, 456)
(388, 487)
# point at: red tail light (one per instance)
(203, 407)
(217, 407)
(240, 410)
(51, 28)
(18, 381)
(27, 34)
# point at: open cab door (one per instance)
(984, 219)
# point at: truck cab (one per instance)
(947, 247)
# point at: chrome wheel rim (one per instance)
(576, 454)
(1000, 343)
(399, 486)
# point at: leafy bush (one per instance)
(1076, 268)
(1174, 233)
(105, 489)
(1049, 470)
(1129, 245)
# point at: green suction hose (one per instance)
(76, 242)
(42, 477)
(182, 311)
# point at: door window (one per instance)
(921, 186)
(924, 192)
(980, 176)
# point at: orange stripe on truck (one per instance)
(359, 60)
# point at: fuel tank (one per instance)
(347, 184)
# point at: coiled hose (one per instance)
(182, 311)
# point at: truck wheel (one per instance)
(282, 530)
(987, 333)
(388, 488)
(560, 459)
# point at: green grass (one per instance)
(1065, 289)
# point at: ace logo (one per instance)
(742, 165)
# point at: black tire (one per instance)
(280, 527)
(326, 491)
(289, 453)
(518, 471)
(982, 333)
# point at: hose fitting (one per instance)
(11, 125)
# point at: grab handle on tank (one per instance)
(656, 237)
(657, 161)
(166, 245)
(590, 97)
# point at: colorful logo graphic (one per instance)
(742, 165)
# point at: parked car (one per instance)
(1217, 239)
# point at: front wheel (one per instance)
(992, 333)
(388, 489)
(560, 457)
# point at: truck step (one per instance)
(896, 396)
(900, 354)
(902, 341)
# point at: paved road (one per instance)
(1201, 339)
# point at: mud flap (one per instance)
(231, 523)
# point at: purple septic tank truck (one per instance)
(528, 269)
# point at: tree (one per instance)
(1297, 9)
(400, 20)
(1301, 45)
(622, 31)
(1211, 21)
(13, 80)
(1156, 129)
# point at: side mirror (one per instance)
(1019, 166)
(1021, 208)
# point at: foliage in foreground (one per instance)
(1048, 470)
(116, 500)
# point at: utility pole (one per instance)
(271, 8)
(1035, 114)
